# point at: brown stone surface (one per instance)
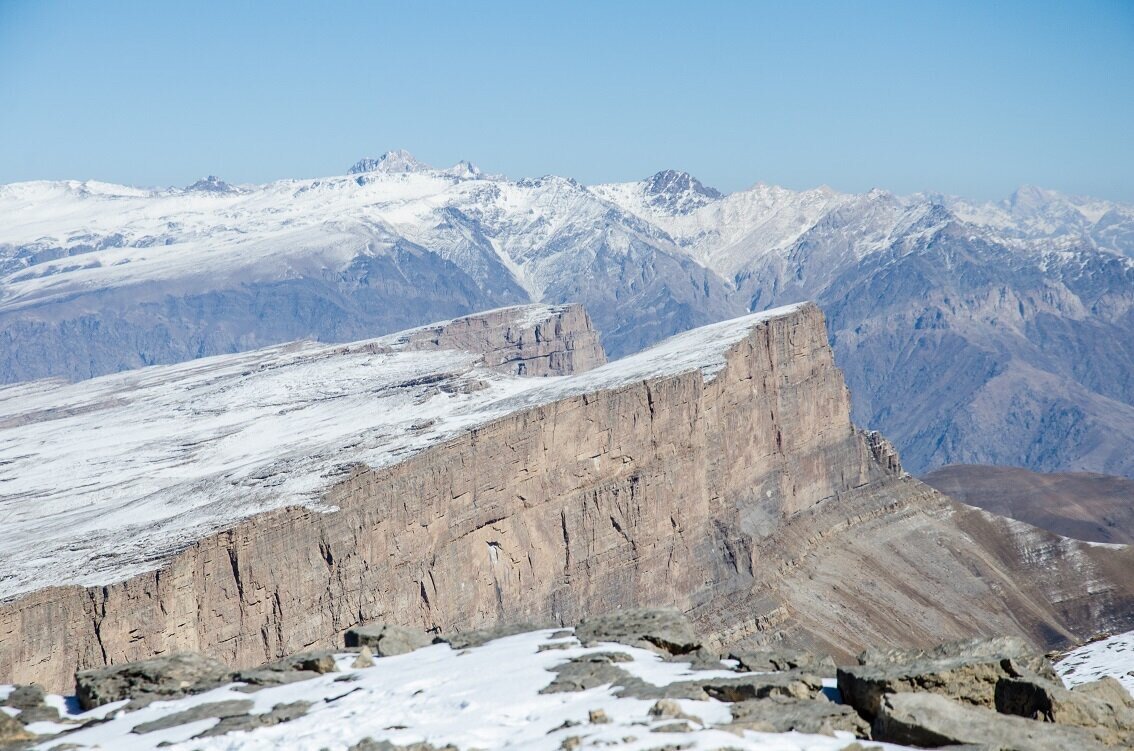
(749, 501)
(1083, 505)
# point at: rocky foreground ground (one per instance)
(635, 679)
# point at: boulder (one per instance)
(42, 713)
(25, 697)
(966, 671)
(209, 710)
(783, 715)
(587, 672)
(932, 721)
(31, 701)
(385, 640)
(244, 722)
(478, 637)
(320, 662)
(793, 684)
(259, 678)
(1090, 706)
(369, 744)
(666, 631)
(766, 660)
(162, 677)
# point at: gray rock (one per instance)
(667, 631)
(385, 640)
(244, 722)
(42, 713)
(478, 637)
(219, 709)
(174, 675)
(668, 709)
(764, 660)
(932, 721)
(1040, 699)
(316, 662)
(369, 744)
(788, 685)
(25, 697)
(30, 700)
(263, 678)
(587, 672)
(967, 671)
(1108, 689)
(782, 715)
(600, 669)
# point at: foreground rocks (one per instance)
(996, 694)
(966, 671)
(161, 677)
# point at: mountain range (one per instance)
(997, 333)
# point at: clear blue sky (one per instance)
(972, 98)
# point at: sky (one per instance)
(965, 98)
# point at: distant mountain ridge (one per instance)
(997, 333)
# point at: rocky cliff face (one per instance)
(736, 490)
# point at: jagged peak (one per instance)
(466, 169)
(398, 160)
(211, 184)
(676, 192)
(668, 182)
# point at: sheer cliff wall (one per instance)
(725, 497)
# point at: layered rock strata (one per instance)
(733, 487)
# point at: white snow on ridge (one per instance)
(1113, 656)
(165, 455)
(541, 230)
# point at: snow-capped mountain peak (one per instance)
(211, 184)
(398, 160)
(465, 169)
(677, 192)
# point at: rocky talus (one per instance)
(746, 498)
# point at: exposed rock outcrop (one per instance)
(741, 494)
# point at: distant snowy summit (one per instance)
(211, 184)
(678, 192)
(401, 161)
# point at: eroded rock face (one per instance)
(932, 721)
(748, 500)
(969, 672)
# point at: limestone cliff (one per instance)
(738, 491)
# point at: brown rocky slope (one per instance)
(745, 497)
(1083, 505)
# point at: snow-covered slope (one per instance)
(484, 697)
(489, 696)
(1113, 656)
(937, 305)
(165, 455)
